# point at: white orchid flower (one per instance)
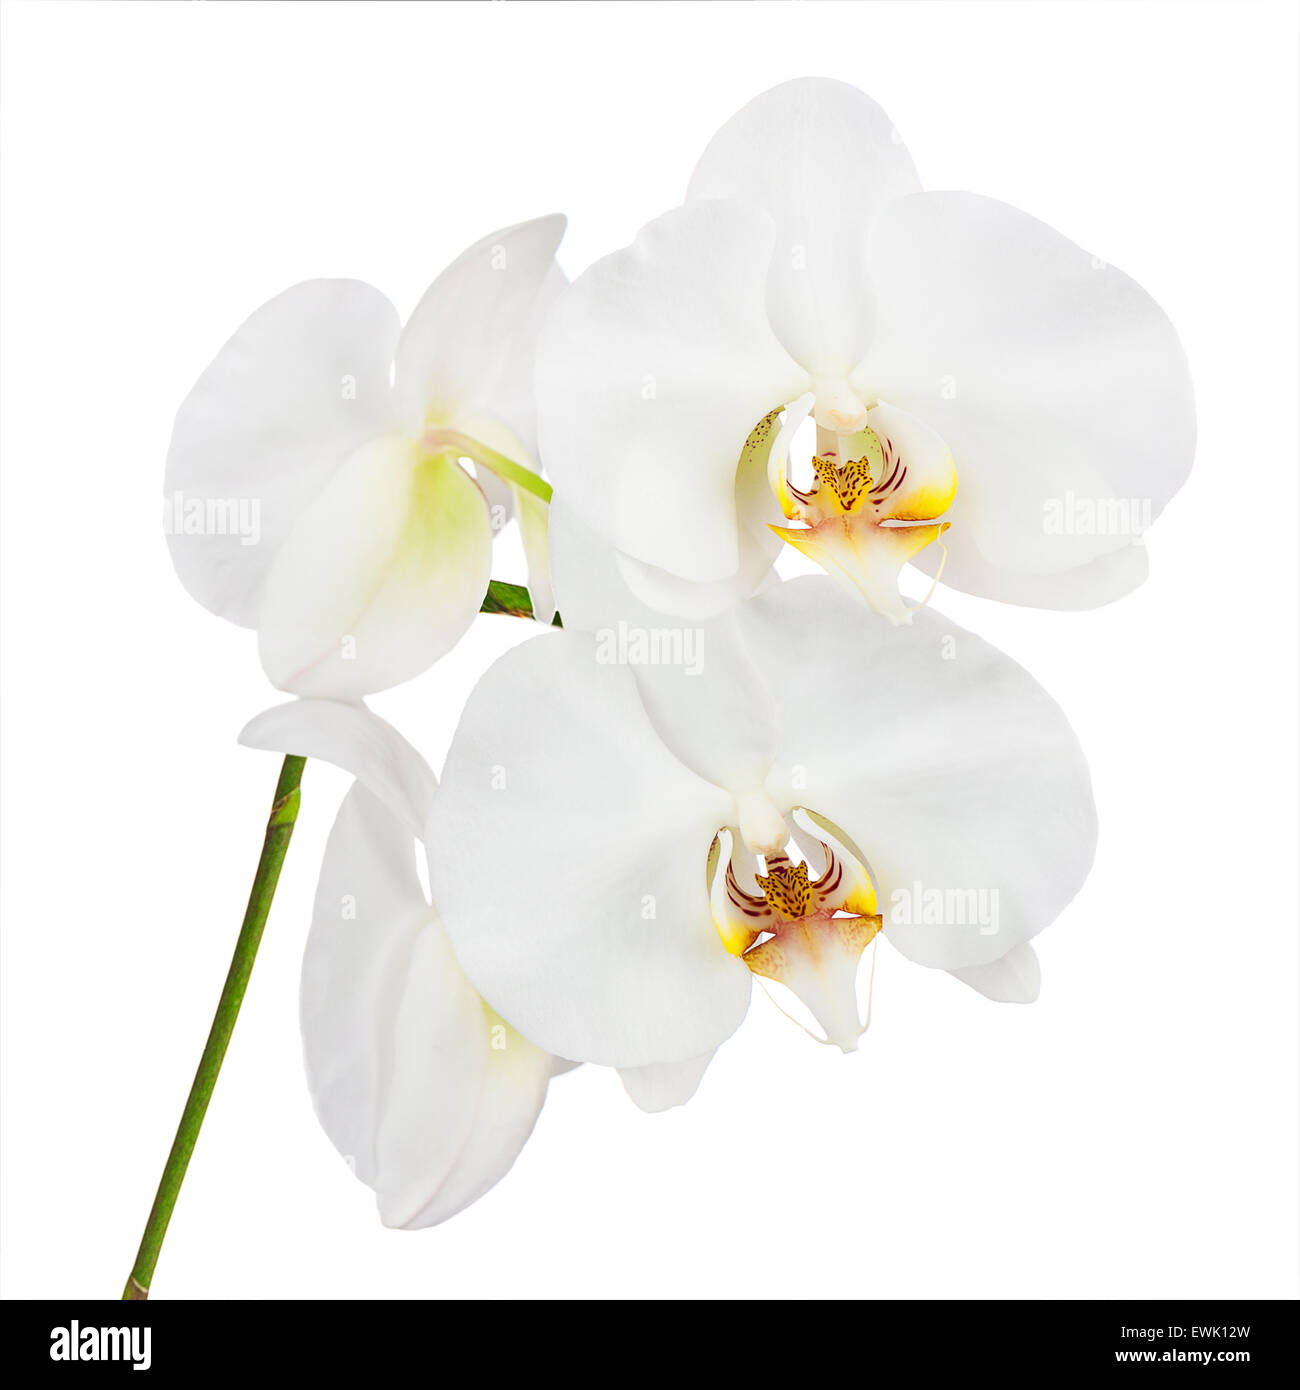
(966, 366)
(622, 846)
(425, 1091)
(315, 488)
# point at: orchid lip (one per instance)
(802, 931)
(882, 487)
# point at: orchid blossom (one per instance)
(315, 486)
(620, 848)
(427, 1092)
(972, 375)
(637, 819)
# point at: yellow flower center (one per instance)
(878, 497)
(786, 889)
(804, 933)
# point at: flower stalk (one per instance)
(505, 468)
(279, 830)
(512, 600)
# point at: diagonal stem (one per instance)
(279, 830)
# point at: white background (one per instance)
(166, 168)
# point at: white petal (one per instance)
(380, 577)
(1091, 585)
(605, 585)
(596, 586)
(1013, 979)
(655, 366)
(945, 766)
(759, 547)
(822, 159)
(665, 1085)
(514, 1088)
(437, 1057)
(689, 598)
(602, 585)
(428, 1095)
(459, 1108)
(568, 852)
(368, 913)
(357, 740)
(468, 349)
(1057, 382)
(300, 386)
(534, 521)
(586, 579)
(717, 727)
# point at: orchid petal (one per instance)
(1092, 585)
(381, 575)
(354, 738)
(940, 758)
(738, 917)
(1012, 979)
(428, 1095)
(817, 959)
(1055, 379)
(695, 599)
(822, 160)
(303, 383)
(596, 585)
(467, 351)
(587, 577)
(368, 912)
(714, 726)
(654, 368)
(700, 599)
(512, 1090)
(666, 1084)
(855, 892)
(596, 837)
(438, 1058)
(864, 563)
(534, 522)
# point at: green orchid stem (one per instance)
(506, 469)
(279, 830)
(512, 600)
